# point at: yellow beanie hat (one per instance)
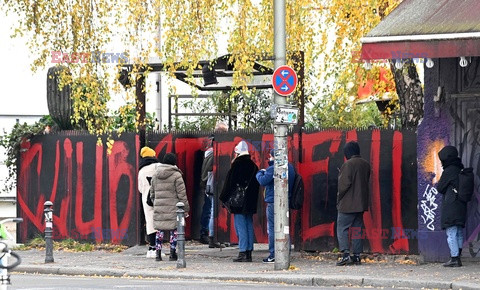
(147, 152)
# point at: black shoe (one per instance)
(242, 257)
(173, 255)
(345, 261)
(453, 262)
(356, 260)
(158, 255)
(460, 256)
(204, 239)
(212, 244)
(249, 256)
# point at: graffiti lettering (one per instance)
(429, 206)
(92, 191)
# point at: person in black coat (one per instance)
(453, 209)
(242, 173)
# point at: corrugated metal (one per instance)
(416, 17)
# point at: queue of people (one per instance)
(163, 184)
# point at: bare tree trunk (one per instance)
(410, 93)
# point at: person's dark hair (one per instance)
(350, 149)
(170, 158)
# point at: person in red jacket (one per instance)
(352, 201)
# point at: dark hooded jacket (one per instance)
(242, 172)
(147, 161)
(454, 210)
(353, 181)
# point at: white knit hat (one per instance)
(242, 148)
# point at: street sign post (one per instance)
(284, 80)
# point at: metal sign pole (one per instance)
(282, 253)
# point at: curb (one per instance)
(294, 279)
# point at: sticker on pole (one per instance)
(284, 114)
(284, 80)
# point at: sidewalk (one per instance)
(216, 264)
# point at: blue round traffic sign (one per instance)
(284, 80)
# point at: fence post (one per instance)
(48, 212)
(181, 235)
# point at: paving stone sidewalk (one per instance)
(216, 264)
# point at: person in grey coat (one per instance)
(352, 201)
(168, 188)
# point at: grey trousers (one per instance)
(350, 223)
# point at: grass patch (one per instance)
(71, 245)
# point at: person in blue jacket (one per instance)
(265, 178)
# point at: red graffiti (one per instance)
(308, 169)
(185, 149)
(64, 177)
(118, 168)
(373, 217)
(90, 204)
(85, 228)
(400, 244)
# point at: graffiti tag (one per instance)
(429, 205)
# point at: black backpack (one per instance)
(295, 200)
(465, 184)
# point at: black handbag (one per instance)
(237, 198)
(149, 198)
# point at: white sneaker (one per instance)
(151, 254)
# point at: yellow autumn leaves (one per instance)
(191, 31)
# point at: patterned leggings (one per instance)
(159, 240)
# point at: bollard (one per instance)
(181, 235)
(48, 212)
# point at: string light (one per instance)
(429, 63)
(367, 65)
(398, 63)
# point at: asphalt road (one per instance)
(44, 282)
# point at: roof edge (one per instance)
(420, 37)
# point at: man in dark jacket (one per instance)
(453, 209)
(352, 201)
(265, 178)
